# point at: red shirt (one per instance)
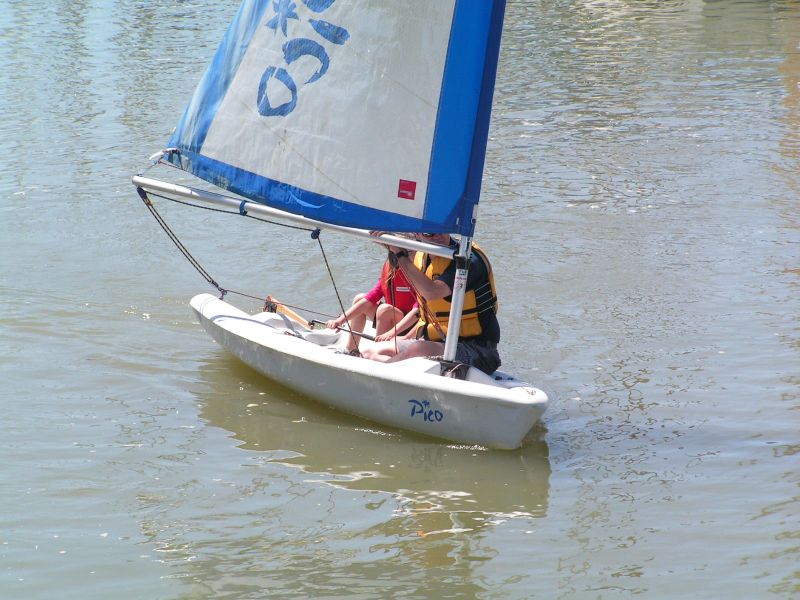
(404, 297)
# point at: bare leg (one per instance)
(358, 321)
(369, 311)
(396, 350)
(387, 317)
(381, 351)
(418, 348)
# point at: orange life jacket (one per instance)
(433, 312)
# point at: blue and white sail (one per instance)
(370, 114)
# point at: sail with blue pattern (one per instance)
(370, 114)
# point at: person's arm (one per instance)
(428, 289)
(358, 307)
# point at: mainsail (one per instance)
(370, 114)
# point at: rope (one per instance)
(390, 283)
(393, 273)
(171, 234)
(430, 316)
(196, 264)
(315, 235)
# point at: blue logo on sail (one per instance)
(295, 48)
(284, 10)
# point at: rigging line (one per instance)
(392, 274)
(178, 244)
(308, 310)
(196, 264)
(424, 309)
(315, 235)
(393, 268)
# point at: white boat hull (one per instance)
(496, 411)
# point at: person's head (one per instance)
(442, 239)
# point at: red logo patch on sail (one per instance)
(407, 189)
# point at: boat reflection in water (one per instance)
(464, 484)
(305, 479)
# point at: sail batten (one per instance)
(361, 113)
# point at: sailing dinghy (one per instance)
(352, 116)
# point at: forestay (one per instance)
(364, 113)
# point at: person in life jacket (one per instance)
(433, 279)
(391, 304)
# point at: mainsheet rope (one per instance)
(315, 234)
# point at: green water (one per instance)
(640, 205)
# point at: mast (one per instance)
(474, 178)
(457, 298)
